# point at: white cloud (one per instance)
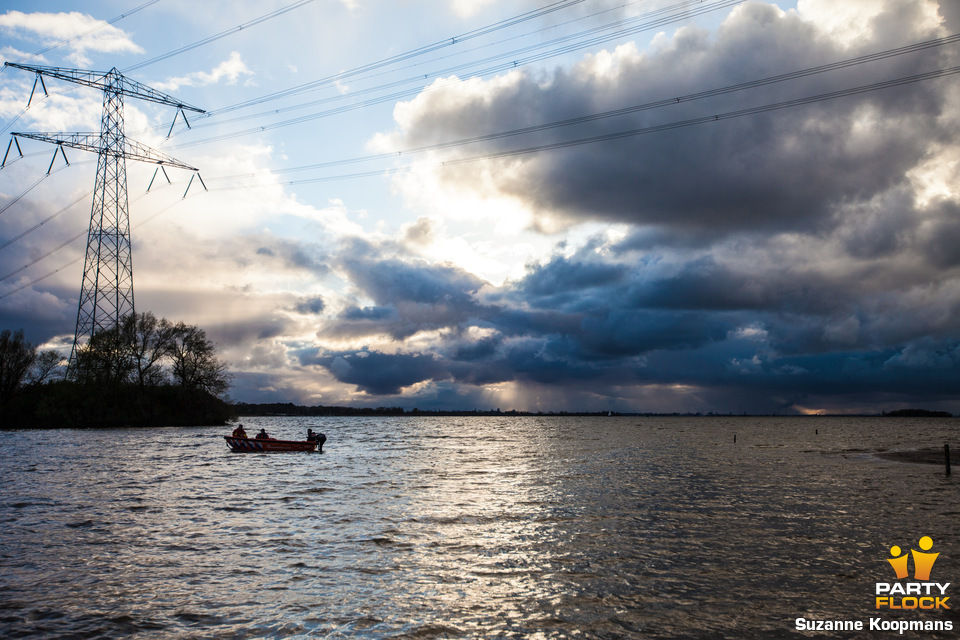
(469, 8)
(85, 33)
(229, 71)
(853, 22)
(12, 54)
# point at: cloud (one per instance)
(378, 373)
(854, 22)
(798, 259)
(469, 8)
(11, 54)
(749, 174)
(701, 327)
(228, 71)
(85, 33)
(310, 305)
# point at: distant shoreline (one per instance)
(290, 410)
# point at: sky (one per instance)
(585, 205)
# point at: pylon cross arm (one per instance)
(132, 149)
(102, 80)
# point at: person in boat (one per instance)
(263, 435)
(319, 438)
(239, 432)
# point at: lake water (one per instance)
(512, 527)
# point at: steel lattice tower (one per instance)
(106, 293)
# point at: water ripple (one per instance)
(463, 528)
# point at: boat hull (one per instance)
(252, 445)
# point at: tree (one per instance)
(44, 366)
(16, 357)
(135, 352)
(105, 360)
(150, 341)
(195, 365)
(122, 376)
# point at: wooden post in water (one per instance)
(946, 456)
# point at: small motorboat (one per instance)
(264, 445)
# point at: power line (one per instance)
(513, 59)
(658, 23)
(833, 95)
(446, 42)
(68, 41)
(67, 243)
(622, 134)
(46, 220)
(23, 193)
(31, 187)
(752, 84)
(89, 31)
(43, 277)
(222, 34)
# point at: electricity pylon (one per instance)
(106, 293)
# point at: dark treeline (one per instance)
(294, 410)
(916, 413)
(290, 409)
(144, 372)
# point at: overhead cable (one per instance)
(89, 31)
(446, 42)
(218, 36)
(833, 95)
(46, 220)
(490, 70)
(752, 84)
(75, 260)
(11, 122)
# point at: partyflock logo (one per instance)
(916, 595)
(921, 593)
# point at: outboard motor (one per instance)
(319, 438)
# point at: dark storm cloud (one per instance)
(41, 315)
(410, 296)
(562, 283)
(940, 239)
(379, 373)
(249, 330)
(598, 326)
(391, 280)
(292, 254)
(781, 171)
(310, 305)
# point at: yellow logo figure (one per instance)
(922, 562)
(899, 563)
